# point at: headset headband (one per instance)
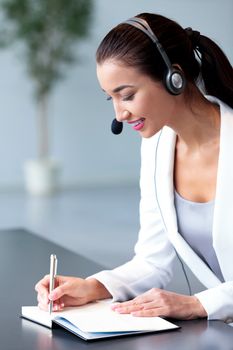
(145, 28)
(174, 78)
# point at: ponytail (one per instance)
(216, 70)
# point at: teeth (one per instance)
(139, 122)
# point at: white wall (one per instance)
(80, 116)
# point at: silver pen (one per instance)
(52, 274)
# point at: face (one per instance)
(138, 100)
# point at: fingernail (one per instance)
(115, 306)
(119, 310)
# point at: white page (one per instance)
(35, 314)
(98, 318)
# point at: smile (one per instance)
(137, 124)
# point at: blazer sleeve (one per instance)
(218, 302)
(154, 256)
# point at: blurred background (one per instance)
(95, 209)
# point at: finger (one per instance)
(58, 306)
(119, 306)
(128, 309)
(43, 306)
(137, 304)
(150, 313)
(152, 305)
(129, 306)
(59, 292)
(134, 301)
(146, 297)
(43, 299)
(115, 306)
(140, 299)
(42, 290)
(42, 285)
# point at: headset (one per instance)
(174, 79)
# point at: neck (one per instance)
(196, 122)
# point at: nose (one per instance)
(122, 116)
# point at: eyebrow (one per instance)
(121, 87)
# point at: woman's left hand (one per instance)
(158, 302)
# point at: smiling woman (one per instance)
(150, 68)
(136, 97)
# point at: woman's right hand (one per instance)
(69, 291)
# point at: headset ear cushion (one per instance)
(175, 81)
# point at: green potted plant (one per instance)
(48, 31)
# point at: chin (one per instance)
(148, 133)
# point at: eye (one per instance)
(128, 98)
(109, 98)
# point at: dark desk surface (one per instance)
(24, 258)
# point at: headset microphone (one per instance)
(174, 78)
(116, 127)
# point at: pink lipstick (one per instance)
(137, 124)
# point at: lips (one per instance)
(137, 124)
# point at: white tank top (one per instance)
(195, 221)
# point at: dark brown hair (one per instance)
(202, 59)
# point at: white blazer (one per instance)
(159, 239)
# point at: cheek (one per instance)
(160, 110)
(156, 107)
(144, 107)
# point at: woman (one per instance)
(156, 74)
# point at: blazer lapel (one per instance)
(165, 196)
(223, 212)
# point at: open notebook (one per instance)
(96, 321)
